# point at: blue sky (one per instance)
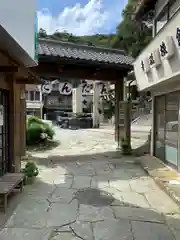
(80, 17)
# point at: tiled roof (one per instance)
(82, 52)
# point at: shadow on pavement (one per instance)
(75, 194)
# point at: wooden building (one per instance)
(13, 76)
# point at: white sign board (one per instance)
(1, 115)
(46, 88)
(65, 88)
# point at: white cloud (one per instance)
(78, 20)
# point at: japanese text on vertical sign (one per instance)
(178, 36)
(163, 49)
(151, 59)
(142, 65)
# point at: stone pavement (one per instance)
(93, 196)
(73, 142)
(166, 177)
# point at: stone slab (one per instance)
(177, 235)
(29, 215)
(24, 234)
(155, 200)
(134, 199)
(93, 214)
(138, 214)
(149, 231)
(81, 182)
(173, 220)
(39, 189)
(100, 182)
(102, 169)
(113, 230)
(60, 214)
(143, 185)
(83, 230)
(121, 185)
(162, 174)
(64, 236)
(81, 170)
(64, 181)
(62, 195)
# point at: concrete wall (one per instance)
(19, 18)
(165, 68)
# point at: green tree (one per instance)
(131, 36)
(42, 33)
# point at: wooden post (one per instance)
(12, 127)
(17, 124)
(96, 97)
(127, 123)
(119, 91)
(23, 121)
(117, 99)
(127, 116)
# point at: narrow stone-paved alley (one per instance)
(92, 195)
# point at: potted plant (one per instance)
(30, 171)
(125, 147)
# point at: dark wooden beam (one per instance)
(78, 72)
(23, 71)
(9, 69)
(27, 81)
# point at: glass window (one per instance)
(26, 95)
(37, 96)
(31, 93)
(173, 7)
(167, 13)
(160, 127)
(171, 128)
(161, 20)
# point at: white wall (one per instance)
(18, 19)
(168, 68)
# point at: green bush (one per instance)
(31, 170)
(33, 133)
(49, 131)
(37, 131)
(31, 120)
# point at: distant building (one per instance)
(34, 103)
(60, 99)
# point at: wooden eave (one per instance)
(53, 69)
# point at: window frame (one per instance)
(31, 96)
(165, 10)
(36, 92)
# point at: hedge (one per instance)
(37, 131)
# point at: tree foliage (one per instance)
(131, 36)
(101, 40)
